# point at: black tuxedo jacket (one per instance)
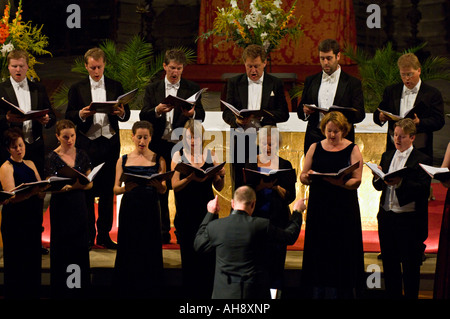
(240, 242)
(155, 93)
(80, 96)
(273, 99)
(348, 94)
(415, 186)
(39, 101)
(430, 107)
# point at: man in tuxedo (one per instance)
(98, 135)
(165, 118)
(28, 96)
(241, 245)
(403, 212)
(330, 87)
(255, 90)
(413, 99)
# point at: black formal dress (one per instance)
(138, 269)
(270, 205)
(155, 93)
(333, 252)
(69, 243)
(21, 234)
(442, 274)
(191, 203)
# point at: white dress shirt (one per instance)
(255, 93)
(327, 90)
(171, 89)
(408, 98)
(100, 125)
(24, 99)
(391, 201)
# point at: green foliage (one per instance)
(381, 70)
(135, 66)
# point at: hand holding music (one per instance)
(189, 113)
(14, 118)
(308, 110)
(85, 112)
(119, 110)
(163, 108)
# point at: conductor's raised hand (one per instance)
(213, 205)
(300, 205)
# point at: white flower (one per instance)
(253, 20)
(263, 35)
(6, 48)
(253, 6)
(277, 3)
(233, 3)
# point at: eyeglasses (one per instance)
(407, 75)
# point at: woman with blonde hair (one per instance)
(192, 194)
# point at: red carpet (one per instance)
(435, 210)
(370, 238)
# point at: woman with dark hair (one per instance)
(192, 194)
(138, 268)
(21, 222)
(69, 244)
(333, 260)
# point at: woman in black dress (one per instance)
(69, 246)
(21, 222)
(333, 260)
(273, 198)
(192, 194)
(139, 264)
(442, 274)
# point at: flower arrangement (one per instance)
(266, 24)
(17, 34)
